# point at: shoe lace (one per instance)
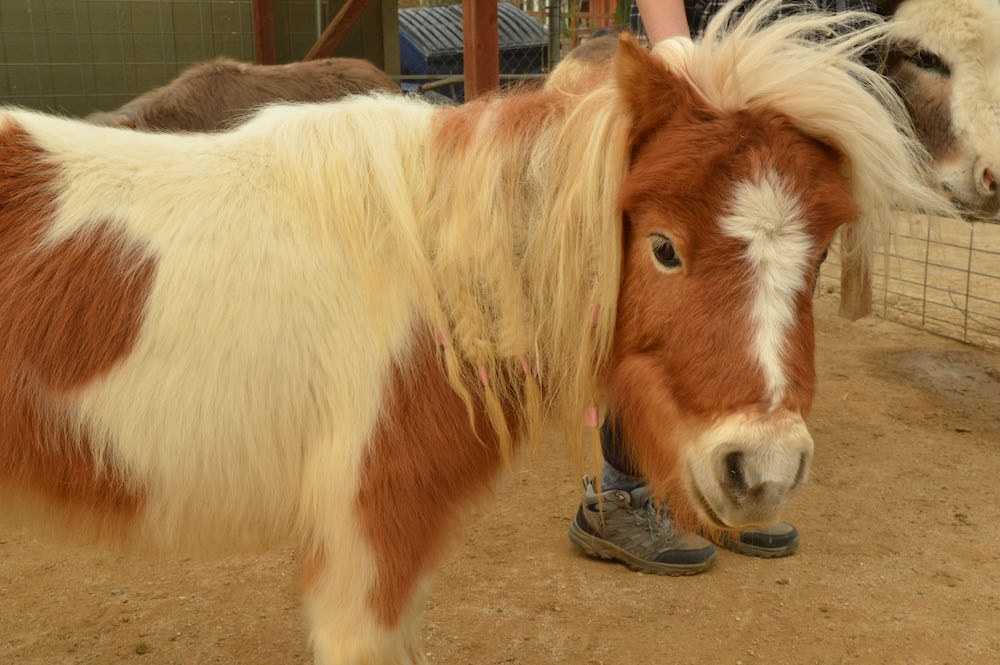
(660, 527)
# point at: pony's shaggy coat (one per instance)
(333, 323)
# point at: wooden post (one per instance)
(555, 32)
(481, 47)
(855, 281)
(337, 30)
(265, 52)
(390, 37)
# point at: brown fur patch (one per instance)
(69, 312)
(520, 117)
(424, 463)
(455, 128)
(653, 94)
(217, 95)
(827, 204)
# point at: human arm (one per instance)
(663, 19)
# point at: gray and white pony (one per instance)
(945, 60)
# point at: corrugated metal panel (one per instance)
(518, 29)
(438, 30)
(432, 30)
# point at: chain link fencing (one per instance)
(525, 54)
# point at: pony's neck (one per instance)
(521, 227)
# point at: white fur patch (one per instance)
(769, 219)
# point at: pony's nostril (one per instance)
(733, 479)
(989, 181)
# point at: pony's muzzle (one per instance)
(741, 472)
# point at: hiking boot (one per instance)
(775, 541)
(632, 531)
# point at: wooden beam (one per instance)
(481, 47)
(265, 52)
(337, 30)
(855, 281)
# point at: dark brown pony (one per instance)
(217, 95)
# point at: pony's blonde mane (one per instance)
(529, 246)
(525, 240)
(515, 242)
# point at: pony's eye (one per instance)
(663, 251)
(931, 62)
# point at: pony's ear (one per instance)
(651, 93)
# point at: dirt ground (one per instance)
(898, 563)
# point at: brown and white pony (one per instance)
(335, 322)
(944, 58)
(217, 95)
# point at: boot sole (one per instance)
(760, 552)
(600, 548)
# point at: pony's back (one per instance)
(219, 94)
(187, 311)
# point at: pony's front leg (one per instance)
(347, 629)
(359, 609)
(380, 530)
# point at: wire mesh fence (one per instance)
(76, 56)
(941, 275)
(576, 19)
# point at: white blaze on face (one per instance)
(768, 217)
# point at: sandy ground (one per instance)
(898, 562)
